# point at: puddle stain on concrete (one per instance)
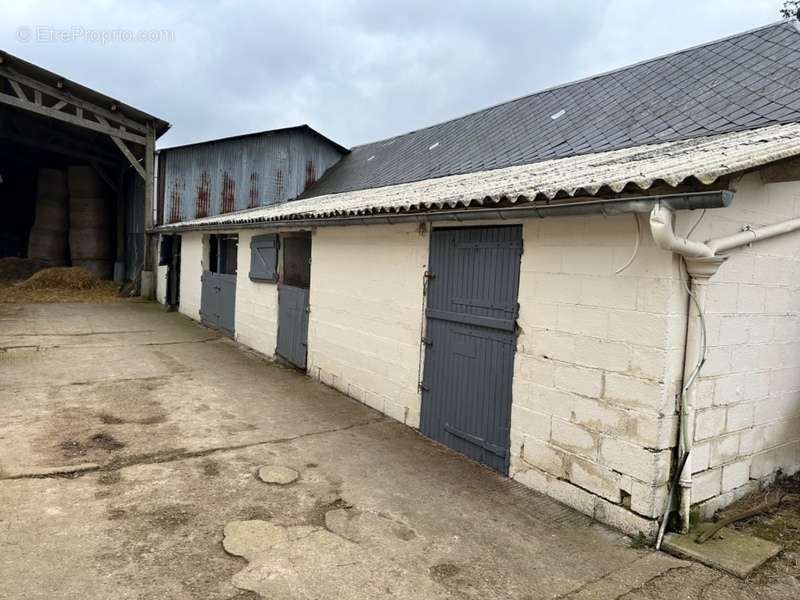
(352, 555)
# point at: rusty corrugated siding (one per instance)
(703, 159)
(225, 176)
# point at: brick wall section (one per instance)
(593, 417)
(191, 271)
(748, 403)
(256, 303)
(366, 314)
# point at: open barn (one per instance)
(77, 174)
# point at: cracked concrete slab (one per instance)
(178, 425)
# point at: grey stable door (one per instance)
(293, 298)
(218, 300)
(470, 340)
(218, 285)
(293, 324)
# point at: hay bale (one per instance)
(14, 268)
(61, 278)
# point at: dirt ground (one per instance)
(131, 440)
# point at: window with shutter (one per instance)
(264, 258)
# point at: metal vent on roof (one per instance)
(370, 158)
(433, 146)
(558, 114)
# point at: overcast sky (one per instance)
(355, 70)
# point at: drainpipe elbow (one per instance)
(661, 227)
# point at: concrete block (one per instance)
(544, 457)
(595, 478)
(643, 394)
(641, 463)
(579, 380)
(740, 416)
(735, 475)
(530, 423)
(573, 438)
(709, 423)
(706, 485)
(624, 519)
(723, 450)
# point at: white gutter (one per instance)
(702, 262)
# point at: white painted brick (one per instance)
(366, 308)
(645, 329)
(587, 382)
(751, 299)
(740, 416)
(554, 345)
(601, 354)
(610, 293)
(762, 465)
(545, 457)
(631, 391)
(595, 478)
(588, 260)
(624, 519)
(729, 390)
(634, 460)
(724, 450)
(706, 485)
(573, 438)
(583, 320)
(596, 416)
(647, 500)
(549, 401)
(530, 423)
(735, 475)
(701, 457)
(709, 423)
(555, 288)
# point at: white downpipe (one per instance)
(702, 261)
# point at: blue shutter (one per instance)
(264, 258)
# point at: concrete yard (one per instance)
(165, 426)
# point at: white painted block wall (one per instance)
(748, 403)
(256, 317)
(191, 271)
(593, 414)
(366, 314)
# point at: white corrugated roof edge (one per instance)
(705, 159)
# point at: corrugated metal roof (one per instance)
(744, 81)
(705, 159)
(80, 91)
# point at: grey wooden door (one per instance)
(293, 324)
(218, 301)
(470, 340)
(209, 298)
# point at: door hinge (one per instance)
(423, 388)
(430, 275)
(426, 341)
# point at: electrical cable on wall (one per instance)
(635, 247)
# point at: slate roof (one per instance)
(704, 159)
(745, 81)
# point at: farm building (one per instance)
(592, 289)
(76, 175)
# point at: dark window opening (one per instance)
(297, 260)
(222, 254)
